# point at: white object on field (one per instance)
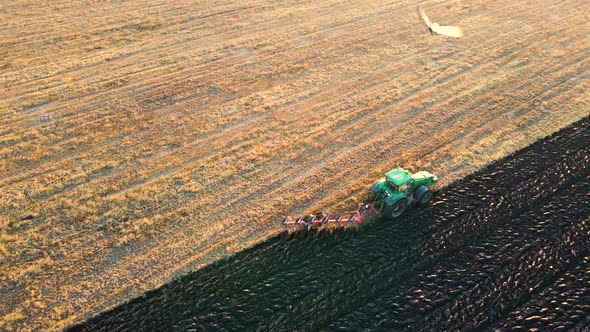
(450, 31)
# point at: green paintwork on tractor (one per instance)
(399, 184)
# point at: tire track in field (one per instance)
(124, 25)
(354, 21)
(268, 26)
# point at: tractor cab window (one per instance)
(391, 185)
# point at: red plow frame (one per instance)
(320, 219)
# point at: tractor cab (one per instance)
(399, 180)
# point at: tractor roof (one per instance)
(398, 176)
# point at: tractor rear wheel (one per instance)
(396, 209)
(422, 195)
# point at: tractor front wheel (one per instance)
(396, 209)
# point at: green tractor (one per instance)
(399, 190)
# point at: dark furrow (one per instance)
(558, 306)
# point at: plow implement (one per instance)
(320, 219)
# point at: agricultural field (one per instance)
(142, 140)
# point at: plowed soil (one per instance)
(141, 140)
(507, 247)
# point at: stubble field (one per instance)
(140, 140)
